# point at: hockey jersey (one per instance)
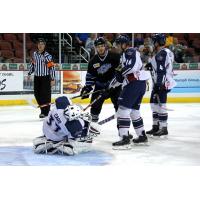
(101, 70)
(132, 64)
(162, 64)
(56, 127)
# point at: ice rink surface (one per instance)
(20, 124)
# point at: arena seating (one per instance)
(11, 45)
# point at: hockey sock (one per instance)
(138, 126)
(123, 125)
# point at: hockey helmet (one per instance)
(122, 39)
(160, 38)
(72, 112)
(99, 41)
(62, 102)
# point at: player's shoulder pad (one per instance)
(161, 56)
(130, 52)
(169, 52)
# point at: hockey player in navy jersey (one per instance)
(101, 70)
(133, 79)
(65, 130)
(161, 67)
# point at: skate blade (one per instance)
(124, 147)
(162, 137)
(141, 144)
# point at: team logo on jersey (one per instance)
(96, 65)
(159, 58)
(104, 68)
(129, 53)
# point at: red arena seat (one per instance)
(5, 45)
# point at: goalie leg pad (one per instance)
(80, 146)
(41, 145)
(65, 148)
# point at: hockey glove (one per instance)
(149, 67)
(85, 90)
(157, 89)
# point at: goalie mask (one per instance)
(72, 112)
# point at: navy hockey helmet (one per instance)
(62, 102)
(99, 41)
(122, 39)
(160, 38)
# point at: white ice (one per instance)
(20, 124)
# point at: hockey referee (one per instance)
(44, 76)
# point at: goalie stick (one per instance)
(30, 102)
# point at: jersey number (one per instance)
(50, 123)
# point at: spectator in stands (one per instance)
(188, 55)
(178, 50)
(188, 40)
(138, 40)
(110, 39)
(89, 46)
(146, 50)
(80, 40)
(2, 59)
(8, 60)
(169, 40)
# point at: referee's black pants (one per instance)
(42, 92)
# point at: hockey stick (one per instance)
(30, 102)
(74, 97)
(47, 104)
(84, 109)
(106, 120)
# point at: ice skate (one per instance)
(154, 129)
(123, 144)
(163, 132)
(141, 140)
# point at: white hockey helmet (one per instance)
(72, 112)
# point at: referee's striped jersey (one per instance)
(42, 65)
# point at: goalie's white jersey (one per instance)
(57, 128)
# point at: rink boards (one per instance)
(18, 90)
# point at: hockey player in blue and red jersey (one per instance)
(133, 79)
(161, 68)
